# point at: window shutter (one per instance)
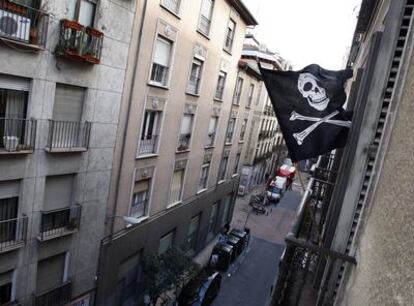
(68, 103)
(50, 273)
(141, 186)
(162, 52)
(14, 83)
(58, 191)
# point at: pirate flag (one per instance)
(308, 105)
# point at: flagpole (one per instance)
(300, 177)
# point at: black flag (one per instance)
(308, 105)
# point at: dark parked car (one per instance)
(243, 235)
(221, 257)
(201, 290)
(236, 242)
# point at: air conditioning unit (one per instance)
(241, 190)
(14, 26)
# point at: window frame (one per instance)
(210, 19)
(250, 95)
(170, 10)
(233, 126)
(222, 180)
(224, 75)
(238, 90)
(243, 130)
(166, 84)
(190, 134)
(200, 63)
(156, 129)
(147, 198)
(226, 38)
(236, 164)
(213, 141)
(205, 187)
(172, 204)
(192, 245)
(78, 11)
(173, 238)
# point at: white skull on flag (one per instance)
(309, 87)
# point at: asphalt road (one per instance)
(249, 280)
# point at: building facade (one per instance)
(179, 153)
(60, 93)
(353, 250)
(266, 148)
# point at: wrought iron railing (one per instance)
(194, 85)
(17, 134)
(299, 277)
(23, 24)
(210, 139)
(79, 43)
(204, 25)
(58, 296)
(148, 145)
(184, 142)
(159, 73)
(58, 222)
(13, 233)
(68, 135)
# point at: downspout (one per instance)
(134, 76)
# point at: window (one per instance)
(6, 284)
(140, 198)
(185, 132)
(236, 164)
(193, 233)
(228, 43)
(176, 186)
(243, 130)
(82, 11)
(212, 128)
(238, 91)
(230, 130)
(166, 242)
(226, 212)
(50, 273)
(172, 5)
(223, 168)
(161, 61)
(213, 217)
(193, 86)
(250, 96)
(149, 132)
(8, 222)
(205, 168)
(220, 85)
(206, 13)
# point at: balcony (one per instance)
(59, 222)
(23, 26)
(17, 136)
(58, 296)
(79, 43)
(148, 145)
(13, 234)
(68, 136)
(184, 142)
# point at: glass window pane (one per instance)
(87, 13)
(71, 9)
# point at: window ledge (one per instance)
(66, 150)
(158, 85)
(234, 175)
(192, 94)
(139, 220)
(221, 182)
(241, 141)
(209, 147)
(228, 143)
(201, 191)
(218, 99)
(174, 204)
(170, 11)
(182, 151)
(145, 156)
(236, 104)
(248, 107)
(203, 34)
(17, 152)
(227, 51)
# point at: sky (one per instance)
(307, 31)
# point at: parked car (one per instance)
(222, 256)
(276, 188)
(201, 290)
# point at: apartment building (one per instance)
(354, 251)
(265, 148)
(178, 156)
(60, 93)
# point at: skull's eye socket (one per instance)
(307, 86)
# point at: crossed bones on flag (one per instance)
(301, 136)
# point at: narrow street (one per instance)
(250, 279)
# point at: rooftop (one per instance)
(244, 12)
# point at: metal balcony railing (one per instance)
(210, 139)
(59, 222)
(79, 43)
(194, 85)
(148, 145)
(13, 233)
(17, 134)
(184, 142)
(58, 296)
(219, 92)
(159, 74)
(66, 136)
(23, 24)
(204, 25)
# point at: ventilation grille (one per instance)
(373, 153)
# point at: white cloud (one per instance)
(307, 31)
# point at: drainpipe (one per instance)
(134, 76)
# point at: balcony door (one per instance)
(67, 116)
(149, 133)
(8, 221)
